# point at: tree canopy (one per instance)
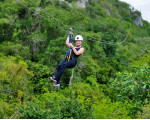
(111, 79)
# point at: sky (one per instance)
(141, 5)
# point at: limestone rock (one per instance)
(82, 3)
(108, 11)
(138, 20)
(61, 0)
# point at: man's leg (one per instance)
(67, 64)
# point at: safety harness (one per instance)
(68, 55)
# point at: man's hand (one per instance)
(70, 44)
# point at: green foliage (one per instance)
(132, 85)
(145, 112)
(92, 81)
(14, 81)
(99, 10)
(33, 111)
(90, 68)
(105, 109)
(143, 60)
(124, 10)
(82, 102)
(135, 52)
(52, 106)
(102, 107)
(143, 32)
(13, 78)
(54, 53)
(103, 75)
(10, 48)
(111, 79)
(5, 110)
(107, 28)
(40, 78)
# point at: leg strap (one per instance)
(69, 56)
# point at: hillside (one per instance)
(111, 79)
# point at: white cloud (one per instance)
(142, 5)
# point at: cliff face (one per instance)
(116, 7)
(108, 11)
(138, 20)
(82, 3)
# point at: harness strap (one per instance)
(70, 49)
(69, 56)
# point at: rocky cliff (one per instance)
(138, 20)
(83, 4)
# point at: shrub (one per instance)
(10, 48)
(40, 78)
(54, 106)
(105, 109)
(132, 85)
(13, 77)
(145, 112)
(5, 110)
(33, 111)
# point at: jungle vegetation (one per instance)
(111, 79)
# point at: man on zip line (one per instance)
(71, 57)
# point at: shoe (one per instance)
(55, 84)
(53, 78)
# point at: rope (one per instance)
(71, 78)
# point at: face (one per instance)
(78, 43)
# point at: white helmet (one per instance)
(79, 37)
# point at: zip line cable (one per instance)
(126, 36)
(67, 26)
(105, 42)
(41, 15)
(52, 16)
